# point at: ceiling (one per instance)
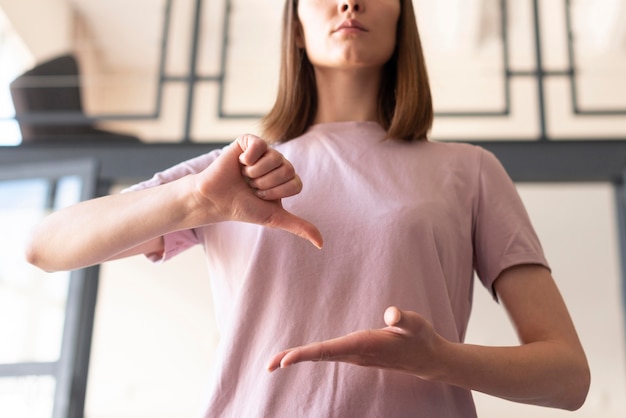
(128, 33)
(121, 41)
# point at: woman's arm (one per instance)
(97, 230)
(245, 183)
(549, 368)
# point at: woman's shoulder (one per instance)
(454, 147)
(470, 159)
(457, 151)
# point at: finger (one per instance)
(311, 352)
(268, 162)
(274, 363)
(286, 221)
(405, 322)
(252, 148)
(393, 316)
(232, 153)
(287, 189)
(337, 349)
(277, 176)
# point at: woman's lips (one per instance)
(350, 26)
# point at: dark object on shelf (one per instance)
(54, 87)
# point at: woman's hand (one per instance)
(408, 344)
(549, 368)
(246, 184)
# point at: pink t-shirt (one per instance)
(404, 224)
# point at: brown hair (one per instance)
(405, 107)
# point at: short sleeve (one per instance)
(176, 242)
(503, 234)
(192, 166)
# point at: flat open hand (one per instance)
(408, 344)
(247, 182)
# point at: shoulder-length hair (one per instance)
(405, 107)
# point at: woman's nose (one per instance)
(351, 6)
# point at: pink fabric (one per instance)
(404, 224)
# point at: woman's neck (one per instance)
(347, 95)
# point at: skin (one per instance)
(247, 182)
(347, 62)
(548, 369)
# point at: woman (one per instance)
(405, 223)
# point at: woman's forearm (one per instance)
(542, 373)
(96, 230)
(120, 225)
(549, 368)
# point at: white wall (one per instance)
(154, 339)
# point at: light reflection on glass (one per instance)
(32, 302)
(67, 191)
(27, 397)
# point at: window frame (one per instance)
(71, 369)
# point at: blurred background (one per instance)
(95, 96)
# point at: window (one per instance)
(45, 323)
(14, 59)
